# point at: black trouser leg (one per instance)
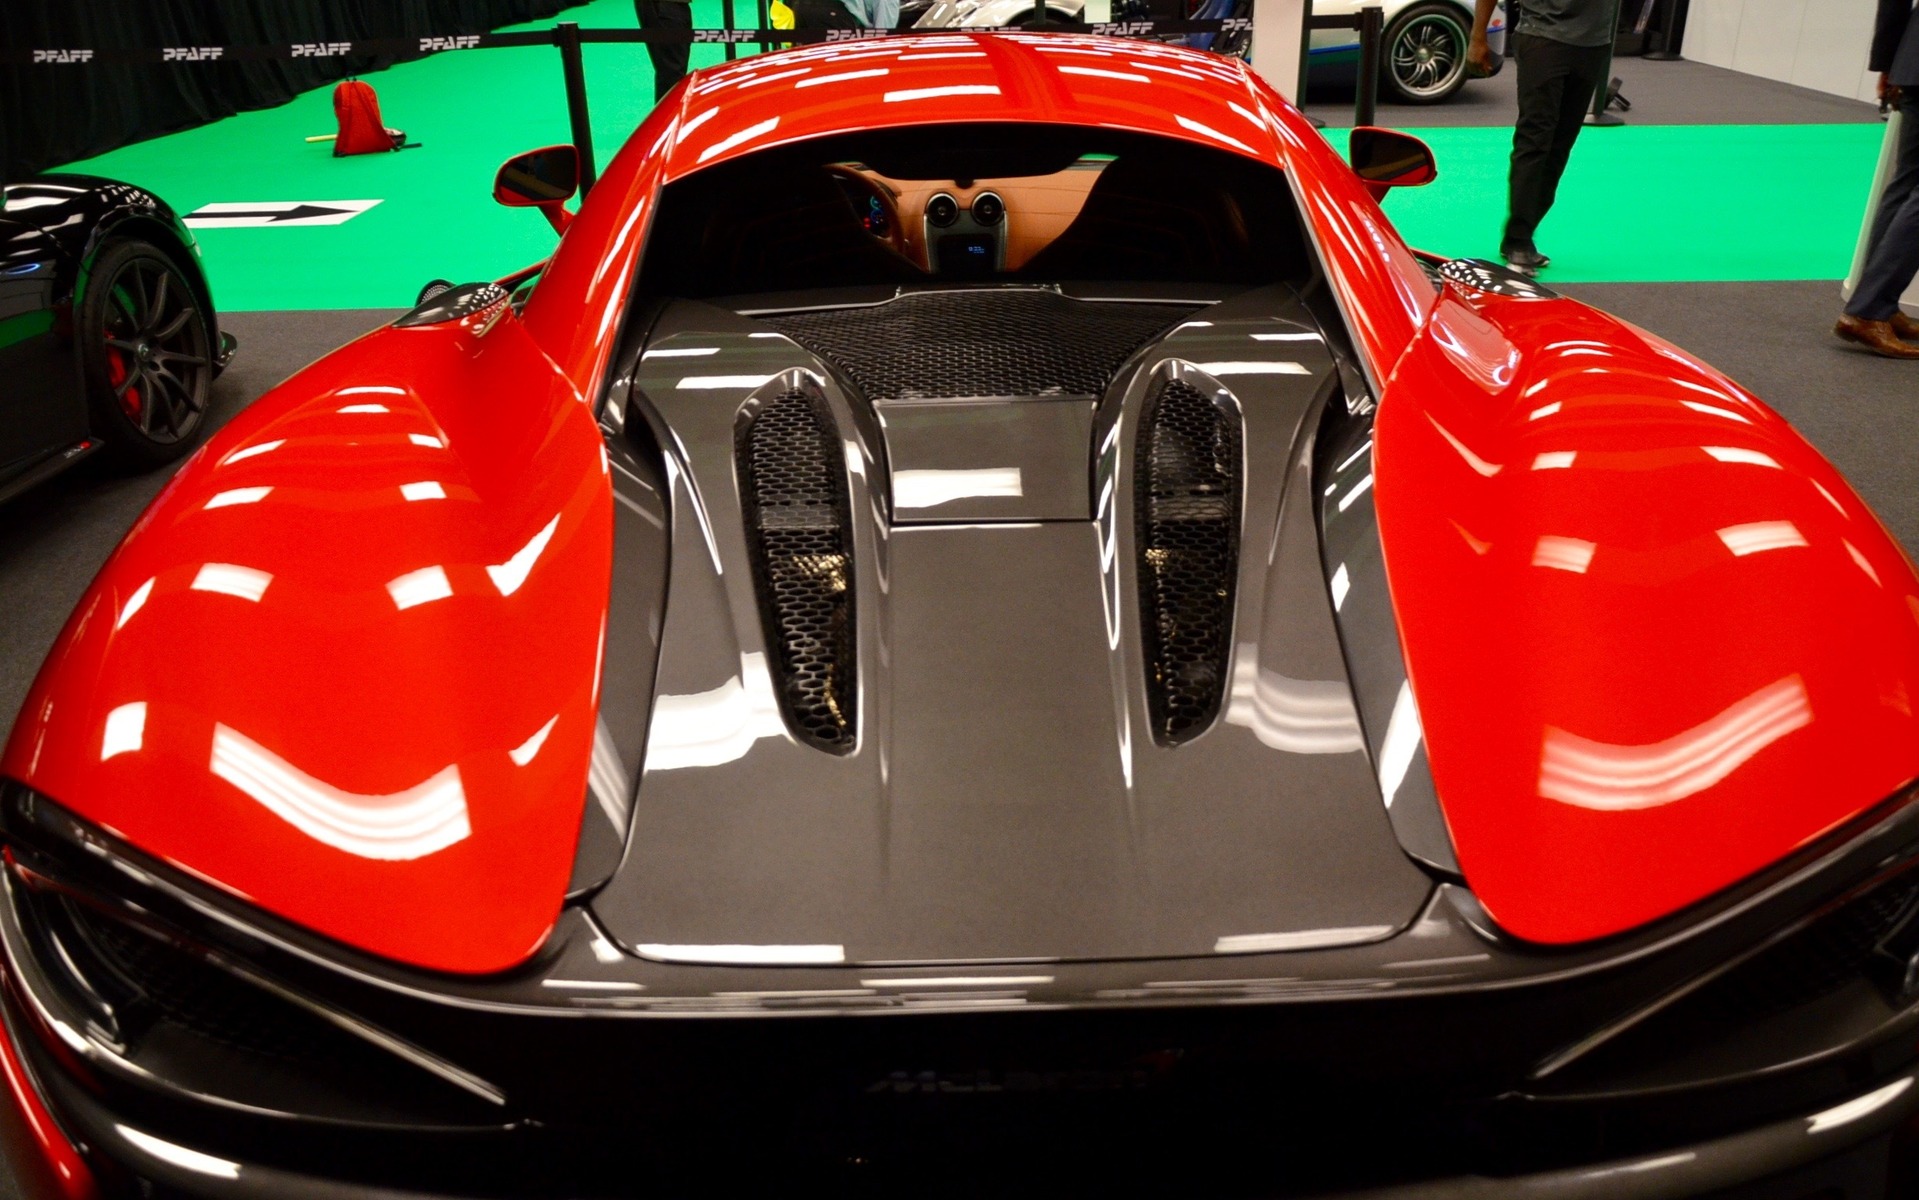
(1556, 87)
(669, 58)
(1893, 257)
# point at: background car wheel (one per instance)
(1047, 19)
(1426, 54)
(144, 354)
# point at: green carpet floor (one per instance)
(469, 110)
(1640, 203)
(1662, 203)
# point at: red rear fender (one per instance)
(345, 665)
(1656, 641)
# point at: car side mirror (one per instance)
(1386, 158)
(544, 179)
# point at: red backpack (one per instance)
(361, 131)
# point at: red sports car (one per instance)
(983, 623)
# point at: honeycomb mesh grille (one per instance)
(1823, 957)
(1187, 484)
(149, 980)
(987, 342)
(796, 509)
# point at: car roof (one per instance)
(841, 87)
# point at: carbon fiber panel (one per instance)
(982, 342)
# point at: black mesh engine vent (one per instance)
(983, 342)
(1186, 487)
(793, 485)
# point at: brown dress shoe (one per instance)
(1905, 327)
(1876, 336)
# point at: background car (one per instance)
(1424, 56)
(1425, 52)
(108, 335)
(982, 619)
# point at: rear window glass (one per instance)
(1021, 203)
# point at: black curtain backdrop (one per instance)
(52, 114)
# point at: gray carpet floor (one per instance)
(1662, 93)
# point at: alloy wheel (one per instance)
(156, 349)
(1428, 57)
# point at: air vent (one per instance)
(205, 1029)
(793, 484)
(995, 342)
(1187, 485)
(1823, 957)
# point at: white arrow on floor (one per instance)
(276, 213)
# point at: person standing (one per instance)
(1873, 318)
(1563, 48)
(669, 58)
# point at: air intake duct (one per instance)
(1187, 495)
(793, 488)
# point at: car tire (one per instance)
(1425, 54)
(146, 358)
(1046, 18)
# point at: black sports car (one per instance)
(108, 338)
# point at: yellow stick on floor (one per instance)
(323, 137)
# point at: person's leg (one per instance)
(1894, 258)
(1585, 71)
(669, 58)
(1542, 84)
(1905, 176)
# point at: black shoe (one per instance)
(1524, 258)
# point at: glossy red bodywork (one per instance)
(1656, 641)
(308, 743)
(302, 748)
(43, 1163)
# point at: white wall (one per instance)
(1819, 44)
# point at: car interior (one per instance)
(975, 203)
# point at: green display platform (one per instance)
(1640, 203)
(436, 218)
(1662, 203)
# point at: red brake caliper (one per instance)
(116, 375)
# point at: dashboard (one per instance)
(968, 228)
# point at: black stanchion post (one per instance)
(726, 19)
(766, 22)
(1672, 27)
(1372, 29)
(1602, 99)
(1305, 52)
(566, 35)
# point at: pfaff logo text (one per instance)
(1236, 25)
(1123, 28)
(191, 53)
(949, 1083)
(724, 35)
(853, 35)
(464, 42)
(321, 49)
(62, 56)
